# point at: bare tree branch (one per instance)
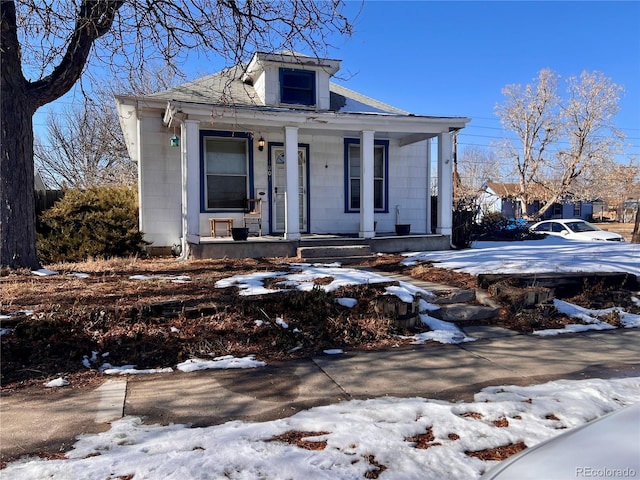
(47, 45)
(560, 138)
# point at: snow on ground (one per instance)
(357, 436)
(224, 362)
(533, 256)
(536, 256)
(360, 436)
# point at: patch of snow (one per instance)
(590, 317)
(132, 370)
(43, 272)
(441, 331)
(224, 362)
(58, 382)
(536, 256)
(79, 275)
(347, 302)
(573, 328)
(171, 278)
(19, 313)
(251, 284)
(357, 432)
(333, 351)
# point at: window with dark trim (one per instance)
(380, 175)
(297, 87)
(557, 210)
(577, 209)
(226, 172)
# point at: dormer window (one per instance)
(298, 87)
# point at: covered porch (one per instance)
(319, 141)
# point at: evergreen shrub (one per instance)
(100, 222)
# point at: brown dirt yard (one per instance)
(56, 321)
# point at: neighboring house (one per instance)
(38, 183)
(503, 198)
(322, 158)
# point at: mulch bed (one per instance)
(159, 323)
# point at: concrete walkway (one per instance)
(47, 421)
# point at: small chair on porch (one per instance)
(227, 223)
(253, 215)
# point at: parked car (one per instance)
(575, 230)
(608, 447)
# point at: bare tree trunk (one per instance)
(17, 205)
(19, 100)
(635, 238)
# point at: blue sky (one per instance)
(453, 58)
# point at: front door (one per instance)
(279, 188)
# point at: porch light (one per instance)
(261, 143)
(174, 141)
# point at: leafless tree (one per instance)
(610, 181)
(84, 148)
(533, 114)
(84, 145)
(559, 138)
(476, 166)
(46, 45)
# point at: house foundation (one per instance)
(274, 246)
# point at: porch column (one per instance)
(190, 155)
(428, 206)
(445, 184)
(366, 184)
(291, 199)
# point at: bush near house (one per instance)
(497, 227)
(100, 222)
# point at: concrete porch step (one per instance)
(457, 305)
(333, 251)
(464, 313)
(340, 260)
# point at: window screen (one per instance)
(226, 172)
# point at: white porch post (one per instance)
(366, 184)
(445, 184)
(190, 155)
(291, 199)
(428, 206)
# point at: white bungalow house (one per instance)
(321, 158)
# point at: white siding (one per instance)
(160, 188)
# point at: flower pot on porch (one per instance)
(403, 228)
(240, 233)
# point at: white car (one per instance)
(574, 229)
(608, 447)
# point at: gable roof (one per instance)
(504, 190)
(228, 88)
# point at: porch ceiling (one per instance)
(405, 128)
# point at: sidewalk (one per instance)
(50, 422)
